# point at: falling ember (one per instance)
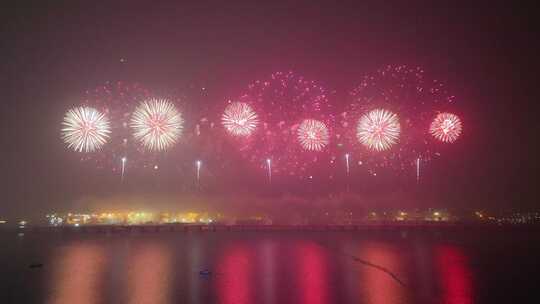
(85, 129)
(157, 124)
(239, 119)
(446, 127)
(378, 130)
(313, 135)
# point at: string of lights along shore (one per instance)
(396, 118)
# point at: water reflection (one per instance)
(312, 273)
(377, 286)
(455, 275)
(149, 273)
(275, 269)
(78, 274)
(234, 277)
(195, 257)
(267, 260)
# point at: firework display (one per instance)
(446, 127)
(378, 130)
(284, 126)
(393, 92)
(117, 100)
(157, 124)
(313, 135)
(85, 129)
(295, 116)
(239, 119)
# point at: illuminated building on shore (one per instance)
(131, 218)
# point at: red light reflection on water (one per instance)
(455, 275)
(234, 276)
(379, 287)
(149, 275)
(79, 275)
(312, 273)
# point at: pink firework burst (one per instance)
(239, 119)
(378, 130)
(446, 127)
(313, 135)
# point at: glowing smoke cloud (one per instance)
(239, 119)
(378, 130)
(446, 127)
(85, 129)
(157, 124)
(313, 135)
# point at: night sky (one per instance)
(486, 53)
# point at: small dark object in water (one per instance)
(205, 272)
(36, 265)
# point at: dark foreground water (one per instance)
(271, 267)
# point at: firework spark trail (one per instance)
(85, 129)
(313, 135)
(378, 129)
(446, 127)
(157, 124)
(239, 119)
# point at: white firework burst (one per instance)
(157, 124)
(85, 129)
(313, 135)
(446, 127)
(239, 119)
(378, 130)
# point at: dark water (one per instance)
(271, 267)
